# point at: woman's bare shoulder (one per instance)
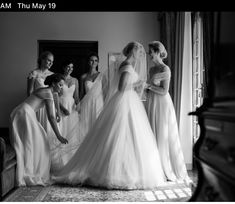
(84, 76)
(74, 79)
(165, 68)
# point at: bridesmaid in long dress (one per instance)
(36, 80)
(29, 138)
(69, 125)
(120, 150)
(92, 94)
(162, 116)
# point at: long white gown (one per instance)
(161, 113)
(69, 128)
(29, 140)
(39, 83)
(92, 104)
(120, 151)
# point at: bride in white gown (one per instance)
(120, 151)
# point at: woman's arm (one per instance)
(82, 89)
(57, 106)
(30, 85)
(123, 82)
(52, 120)
(76, 92)
(63, 109)
(162, 89)
(31, 81)
(104, 86)
(138, 83)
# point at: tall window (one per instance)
(198, 69)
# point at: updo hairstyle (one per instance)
(130, 47)
(54, 78)
(158, 47)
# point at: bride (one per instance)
(120, 151)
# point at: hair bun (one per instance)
(157, 46)
(54, 78)
(130, 47)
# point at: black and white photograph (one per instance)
(116, 106)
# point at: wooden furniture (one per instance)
(214, 152)
(7, 164)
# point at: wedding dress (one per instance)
(163, 121)
(120, 150)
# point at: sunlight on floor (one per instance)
(167, 194)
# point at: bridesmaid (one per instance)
(162, 116)
(92, 93)
(37, 76)
(36, 80)
(69, 125)
(29, 138)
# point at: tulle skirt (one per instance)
(90, 107)
(69, 127)
(120, 151)
(31, 145)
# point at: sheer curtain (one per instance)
(186, 122)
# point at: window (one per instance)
(198, 69)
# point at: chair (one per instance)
(7, 164)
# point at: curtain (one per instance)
(179, 48)
(176, 35)
(186, 122)
(208, 35)
(171, 34)
(167, 29)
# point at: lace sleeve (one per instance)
(32, 74)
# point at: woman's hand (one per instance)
(147, 86)
(58, 117)
(78, 108)
(62, 140)
(65, 111)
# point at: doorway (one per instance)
(77, 51)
